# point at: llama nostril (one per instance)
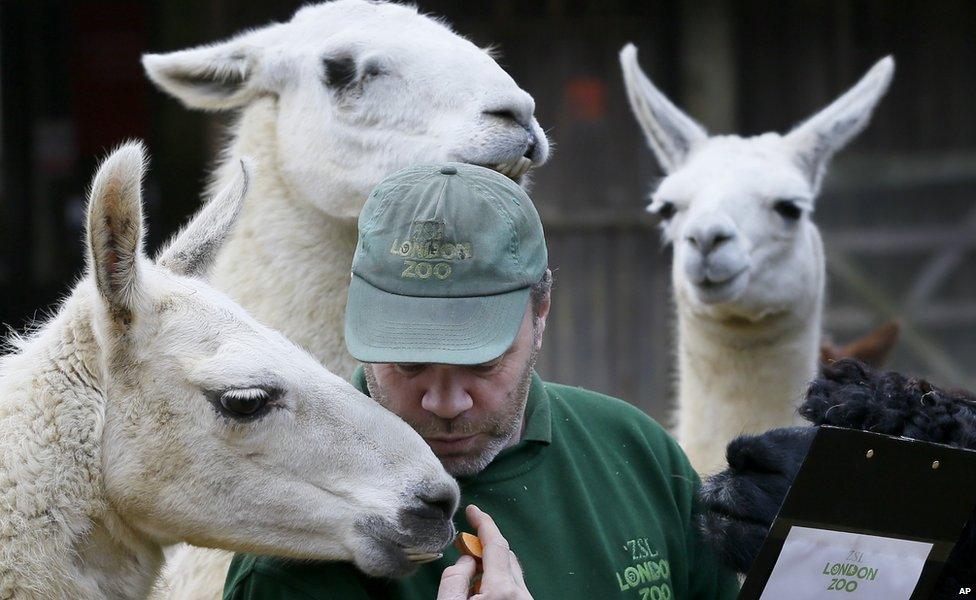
(707, 241)
(505, 114)
(436, 502)
(445, 506)
(514, 116)
(436, 508)
(530, 149)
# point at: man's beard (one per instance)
(500, 428)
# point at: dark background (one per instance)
(898, 210)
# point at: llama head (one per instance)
(219, 431)
(362, 89)
(737, 210)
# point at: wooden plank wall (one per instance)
(611, 323)
(900, 196)
(748, 67)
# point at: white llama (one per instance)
(152, 409)
(748, 271)
(330, 103)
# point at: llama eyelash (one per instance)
(246, 393)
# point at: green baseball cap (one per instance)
(446, 258)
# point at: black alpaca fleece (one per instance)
(742, 501)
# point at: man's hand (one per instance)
(502, 577)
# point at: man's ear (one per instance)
(219, 76)
(115, 230)
(541, 314)
(192, 251)
(816, 140)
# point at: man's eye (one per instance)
(486, 367)
(409, 368)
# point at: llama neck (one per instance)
(119, 561)
(51, 423)
(287, 262)
(741, 378)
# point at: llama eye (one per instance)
(665, 210)
(340, 73)
(244, 403)
(788, 209)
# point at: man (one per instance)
(447, 309)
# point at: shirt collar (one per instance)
(538, 415)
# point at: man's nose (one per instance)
(446, 400)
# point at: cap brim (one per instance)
(385, 327)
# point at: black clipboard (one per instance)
(862, 482)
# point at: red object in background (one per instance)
(109, 91)
(586, 97)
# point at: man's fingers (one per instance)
(487, 530)
(502, 572)
(494, 545)
(456, 579)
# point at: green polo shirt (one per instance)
(596, 500)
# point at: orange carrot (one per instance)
(469, 544)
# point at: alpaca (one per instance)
(329, 104)
(743, 500)
(748, 270)
(152, 409)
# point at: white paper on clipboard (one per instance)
(815, 563)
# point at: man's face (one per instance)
(467, 414)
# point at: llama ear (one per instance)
(873, 348)
(213, 77)
(817, 139)
(192, 251)
(115, 229)
(671, 133)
